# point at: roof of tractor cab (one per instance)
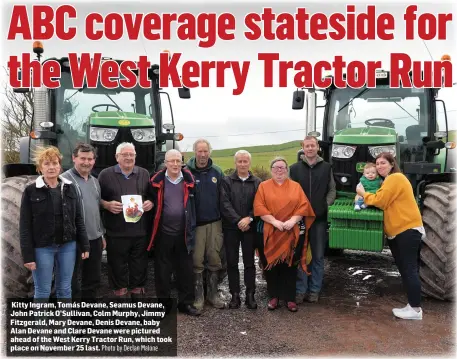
(382, 78)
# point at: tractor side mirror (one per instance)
(300, 155)
(21, 89)
(184, 92)
(298, 100)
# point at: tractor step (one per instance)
(357, 230)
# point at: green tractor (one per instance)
(358, 124)
(99, 116)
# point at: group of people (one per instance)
(195, 219)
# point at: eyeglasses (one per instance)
(278, 168)
(132, 155)
(174, 162)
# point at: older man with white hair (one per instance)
(237, 198)
(173, 232)
(126, 240)
(208, 236)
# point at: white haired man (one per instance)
(208, 237)
(239, 227)
(126, 242)
(173, 232)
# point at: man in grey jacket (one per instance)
(89, 192)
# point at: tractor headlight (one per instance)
(343, 151)
(376, 150)
(102, 134)
(143, 134)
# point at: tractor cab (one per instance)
(359, 124)
(102, 117)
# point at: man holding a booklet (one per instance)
(127, 200)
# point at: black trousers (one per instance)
(281, 279)
(405, 248)
(89, 270)
(171, 253)
(127, 262)
(232, 240)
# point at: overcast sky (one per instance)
(265, 113)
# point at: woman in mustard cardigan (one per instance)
(403, 227)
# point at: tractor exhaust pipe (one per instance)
(311, 99)
(298, 102)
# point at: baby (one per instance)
(370, 181)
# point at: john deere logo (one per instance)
(359, 167)
(123, 122)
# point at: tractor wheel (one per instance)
(437, 271)
(17, 280)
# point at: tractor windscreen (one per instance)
(403, 109)
(74, 106)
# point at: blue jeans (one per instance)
(318, 241)
(64, 256)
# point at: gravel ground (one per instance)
(352, 317)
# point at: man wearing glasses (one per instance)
(173, 233)
(316, 178)
(126, 239)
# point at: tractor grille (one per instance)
(348, 168)
(145, 153)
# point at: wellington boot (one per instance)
(198, 287)
(213, 295)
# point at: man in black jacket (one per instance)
(237, 198)
(316, 178)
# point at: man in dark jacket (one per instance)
(208, 236)
(173, 232)
(239, 226)
(126, 238)
(316, 178)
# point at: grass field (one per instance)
(261, 155)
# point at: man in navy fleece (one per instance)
(208, 236)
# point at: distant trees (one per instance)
(16, 120)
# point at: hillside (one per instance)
(261, 155)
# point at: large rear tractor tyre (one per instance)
(17, 280)
(437, 271)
